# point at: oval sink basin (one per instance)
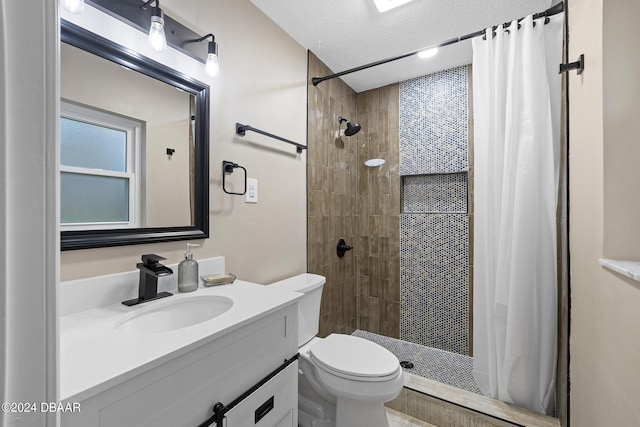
(176, 314)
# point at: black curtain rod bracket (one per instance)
(546, 14)
(242, 129)
(578, 65)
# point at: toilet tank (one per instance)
(309, 305)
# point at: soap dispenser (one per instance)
(188, 271)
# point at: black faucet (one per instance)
(150, 270)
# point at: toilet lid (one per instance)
(354, 356)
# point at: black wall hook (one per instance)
(227, 168)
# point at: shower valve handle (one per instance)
(342, 248)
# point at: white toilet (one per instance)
(343, 380)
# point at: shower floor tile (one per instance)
(445, 367)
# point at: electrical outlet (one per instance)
(251, 196)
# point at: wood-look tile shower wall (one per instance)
(331, 198)
(378, 212)
(348, 200)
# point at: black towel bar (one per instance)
(241, 130)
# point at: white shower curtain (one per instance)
(516, 91)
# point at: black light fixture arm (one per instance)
(316, 80)
(212, 46)
(156, 11)
(241, 130)
(148, 2)
(213, 38)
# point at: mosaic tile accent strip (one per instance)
(445, 367)
(433, 123)
(439, 193)
(434, 280)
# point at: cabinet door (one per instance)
(275, 404)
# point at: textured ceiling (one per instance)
(348, 33)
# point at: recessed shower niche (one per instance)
(435, 193)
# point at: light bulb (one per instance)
(428, 53)
(212, 67)
(157, 39)
(73, 6)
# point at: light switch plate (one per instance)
(251, 196)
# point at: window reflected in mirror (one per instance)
(116, 127)
(100, 157)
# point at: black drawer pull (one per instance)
(264, 409)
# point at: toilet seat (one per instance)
(354, 358)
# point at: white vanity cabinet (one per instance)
(180, 388)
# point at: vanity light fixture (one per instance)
(73, 6)
(157, 38)
(212, 66)
(163, 30)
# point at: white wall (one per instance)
(262, 83)
(604, 205)
(621, 91)
(28, 208)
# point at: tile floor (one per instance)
(438, 365)
(398, 419)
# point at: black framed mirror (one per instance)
(196, 226)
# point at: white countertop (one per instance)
(95, 356)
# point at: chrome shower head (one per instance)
(352, 128)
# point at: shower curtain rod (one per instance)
(549, 12)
